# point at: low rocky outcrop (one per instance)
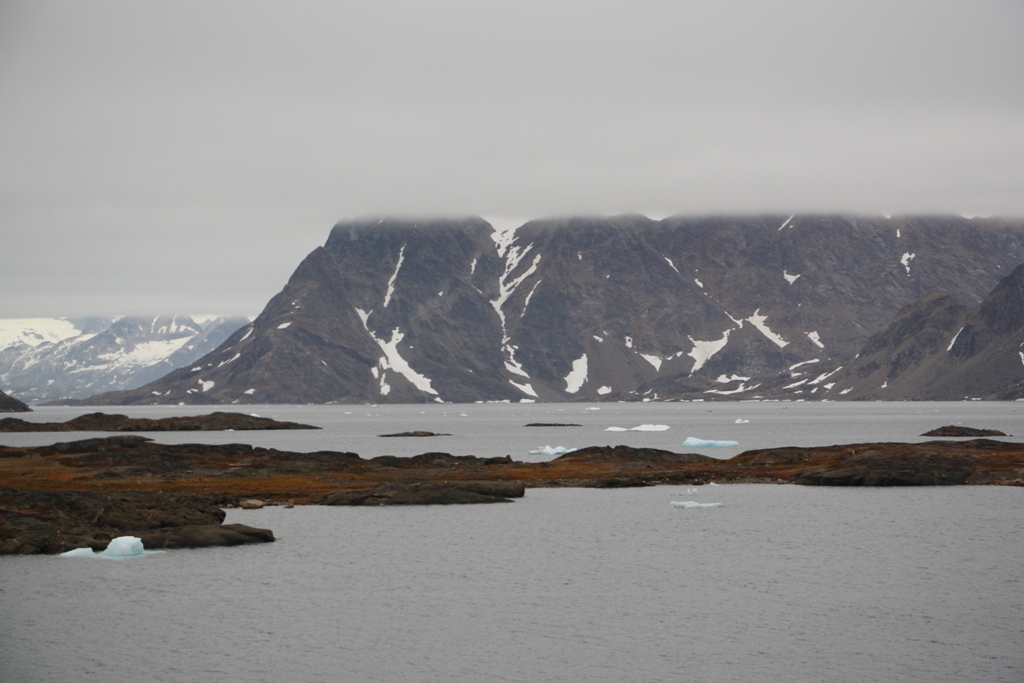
(102, 422)
(204, 536)
(414, 433)
(425, 493)
(50, 522)
(83, 493)
(552, 424)
(596, 454)
(9, 404)
(956, 430)
(933, 463)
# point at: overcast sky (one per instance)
(161, 157)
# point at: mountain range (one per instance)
(628, 308)
(47, 359)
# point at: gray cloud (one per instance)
(160, 157)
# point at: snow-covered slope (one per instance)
(43, 359)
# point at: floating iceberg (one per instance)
(639, 428)
(119, 548)
(592, 408)
(548, 450)
(690, 504)
(527, 400)
(741, 421)
(692, 442)
(711, 483)
(688, 492)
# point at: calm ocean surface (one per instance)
(781, 583)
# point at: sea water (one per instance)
(779, 583)
(497, 430)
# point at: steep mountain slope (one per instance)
(936, 349)
(75, 358)
(9, 404)
(590, 308)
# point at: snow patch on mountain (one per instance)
(525, 388)
(394, 276)
(653, 360)
(577, 377)
(907, 258)
(758, 321)
(703, 350)
(953, 341)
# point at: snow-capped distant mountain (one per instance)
(596, 309)
(47, 359)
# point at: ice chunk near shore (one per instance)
(693, 442)
(119, 548)
(691, 504)
(616, 429)
(548, 450)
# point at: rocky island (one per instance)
(957, 430)
(101, 422)
(83, 493)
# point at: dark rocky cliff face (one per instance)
(938, 350)
(592, 308)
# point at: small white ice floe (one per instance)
(711, 483)
(691, 504)
(692, 442)
(639, 428)
(119, 548)
(593, 408)
(527, 400)
(688, 492)
(741, 421)
(549, 450)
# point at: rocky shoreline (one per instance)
(83, 493)
(101, 422)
